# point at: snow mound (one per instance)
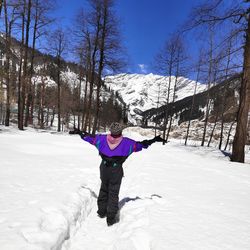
(57, 225)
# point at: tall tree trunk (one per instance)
(238, 152)
(47, 117)
(79, 103)
(89, 104)
(100, 67)
(193, 99)
(53, 117)
(32, 105)
(84, 105)
(228, 136)
(175, 85)
(20, 79)
(1, 5)
(87, 78)
(212, 133)
(222, 117)
(7, 66)
(92, 75)
(208, 89)
(42, 100)
(79, 93)
(165, 122)
(58, 47)
(171, 117)
(29, 115)
(1, 113)
(158, 101)
(58, 98)
(223, 105)
(25, 61)
(166, 113)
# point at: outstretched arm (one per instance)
(139, 145)
(77, 131)
(84, 135)
(147, 143)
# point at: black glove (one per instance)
(145, 143)
(77, 131)
(155, 139)
(159, 139)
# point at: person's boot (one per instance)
(101, 214)
(111, 221)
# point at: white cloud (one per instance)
(108, 72)
(143, 68)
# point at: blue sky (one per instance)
(145, 24)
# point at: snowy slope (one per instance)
(69, 77)
(172, 197)
(143, 92)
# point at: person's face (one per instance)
(116, 136)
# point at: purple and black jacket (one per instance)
(118, 155)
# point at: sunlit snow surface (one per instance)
(172, 197)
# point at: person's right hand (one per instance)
(77, 131)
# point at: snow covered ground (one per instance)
(172, 197)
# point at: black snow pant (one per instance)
(111, 176)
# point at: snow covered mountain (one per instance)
(142, 92)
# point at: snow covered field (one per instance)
(172, 197)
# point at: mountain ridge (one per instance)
(142, 92)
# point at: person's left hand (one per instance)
(159, 139)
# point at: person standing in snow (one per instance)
(114, 149)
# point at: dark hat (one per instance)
(116, 128)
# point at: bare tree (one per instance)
(7, 66)
(238, 153)
(216, 66)
(39, 16)
(167, 61)
(20, 79)
(82, 50)
(237, 13)
(180, 58)
(1, 5)
(211, 79)
(213, 129)
(193, 98)
(223, 105)
(58, 46)
(42, 102)
(81, 81)
(25, 59)
(24, 9)
(100, 44)
(94, 25)
(109, 45)
(9, 20)
(24, 13)
(229, 135)
(158, 102)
